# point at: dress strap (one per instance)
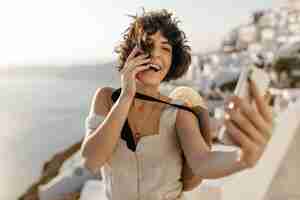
(92, 120)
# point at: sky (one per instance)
(66, 32)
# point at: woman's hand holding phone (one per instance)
(136, 62)
(248, 123)
(260, 78)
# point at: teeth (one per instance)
(156, 67)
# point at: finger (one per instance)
(137, 63)
(142, 56)
(134, 52)
(132, 64)
(142, 61)
(136, 59)
(246, 126)
(139, 69)
(261, 102)
(252, 115)
(238, 136)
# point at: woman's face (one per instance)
(161, 58)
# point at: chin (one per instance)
(147, 80)
(150, 77)
(150, 82)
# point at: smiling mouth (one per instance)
(155, 67)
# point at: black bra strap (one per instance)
(149, 98)
(126, 133)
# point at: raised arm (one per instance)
(99, 144)
(203, 162)
(250, 127)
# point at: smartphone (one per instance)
(262, 80)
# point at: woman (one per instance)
(154, 50)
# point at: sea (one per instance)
(42, 112)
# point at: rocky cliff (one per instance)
(49, 171)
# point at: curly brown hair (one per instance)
(147, 24)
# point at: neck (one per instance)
(148, 90)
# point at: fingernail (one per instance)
(231, 105)
(227, 116)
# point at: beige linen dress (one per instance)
(152, 171)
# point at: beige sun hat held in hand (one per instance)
(188, 95)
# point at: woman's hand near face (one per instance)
(250, 126)
(132, 66)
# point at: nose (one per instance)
(155, 51)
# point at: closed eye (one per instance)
(167, 49)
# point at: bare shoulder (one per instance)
(101, 102)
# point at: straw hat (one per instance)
(188, 95)
(196, 103)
